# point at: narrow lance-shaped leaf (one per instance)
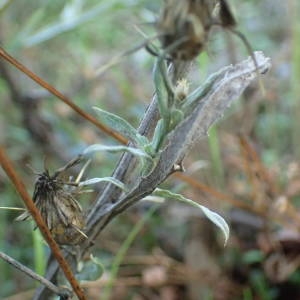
(146, 159)
(122, 126)
(161, 91)
(212, 216)
(12, 208)
(112, 180)
(158, 136)
(115, 149)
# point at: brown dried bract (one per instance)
(184, 25)
(58, 207)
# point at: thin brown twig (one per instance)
(249, 170)
(32, 274)
(261, 168)
(291, 211)
(20, 187)
(60, 96)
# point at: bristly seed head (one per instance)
(45, 183)
(58, 207)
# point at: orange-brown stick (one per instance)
(62, 97)
(20, 187)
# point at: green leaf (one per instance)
(161, 91)
(176, 117)
(158, 136)
(90, 270)
(12, 208)
(146, 160)
(112, 180)
(115, 149)
(149, 150)
(122, 126)
(212, 216)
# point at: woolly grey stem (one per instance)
(59, 291)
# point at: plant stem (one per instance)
(30, 273)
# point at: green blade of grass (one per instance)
(123, 250)
(39, 252)
(215, 152)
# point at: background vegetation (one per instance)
(247, 170)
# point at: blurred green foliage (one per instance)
(64, 42)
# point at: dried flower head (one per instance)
(58, 207)
(184, 25)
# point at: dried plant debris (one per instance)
(56, 202)
(184, 26)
